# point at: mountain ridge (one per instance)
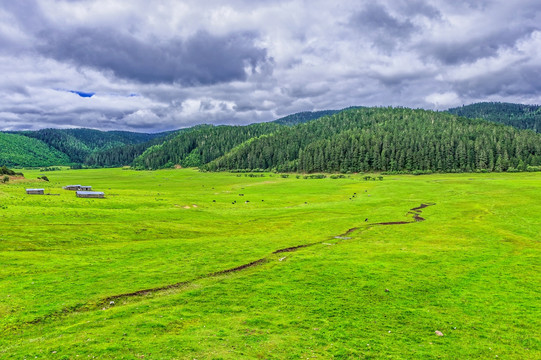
(204, 144)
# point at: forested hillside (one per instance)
(192, 146)
(355, 139)
(302, 117)
(125, 154)
(18, 150)
(78, 144)
(188, 147)
(200, 145)
(388, 139)
(517, 115)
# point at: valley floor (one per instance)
(179, 264)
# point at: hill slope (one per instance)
(387, 139)
(125, 154)
(200, 145)
(517, 115)
(78, 144)
(18, 150)
(203, 143)
(302, 117)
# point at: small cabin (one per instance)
(35, 191)
(90, 194)
(78, 187)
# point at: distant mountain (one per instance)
(204, 143)
(303, 117)
(117, 148)
(354, 139)
(125, 154)
(517, 115)
(199, 145)
(78, 144)
(20, 151)
(387, 139)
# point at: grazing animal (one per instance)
(365, 220)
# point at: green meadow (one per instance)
(177, 264)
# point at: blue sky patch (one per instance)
(82, 93)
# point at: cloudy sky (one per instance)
(160, 65)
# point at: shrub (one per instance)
(50, 168)
(4, 170)
(315, 176)
(422, 172)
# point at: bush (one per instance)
(5, 171)
(422, 172)
(5, 179)
(315, 176)
(50, 168)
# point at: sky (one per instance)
(150, 66)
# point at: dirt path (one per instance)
(110, 301)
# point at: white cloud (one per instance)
(295, 56)
(443, 100)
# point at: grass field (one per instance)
(72, 270)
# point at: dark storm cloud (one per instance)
(384, 29)
(28, 13)
(516, 80)
(397, 80)
(451, 52)
(243, 61)
(420, 7)
(202, 59)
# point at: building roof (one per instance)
(90, 193)
(35, 189)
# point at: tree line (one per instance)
(388, 139)
(517, 115)
(200, 145)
